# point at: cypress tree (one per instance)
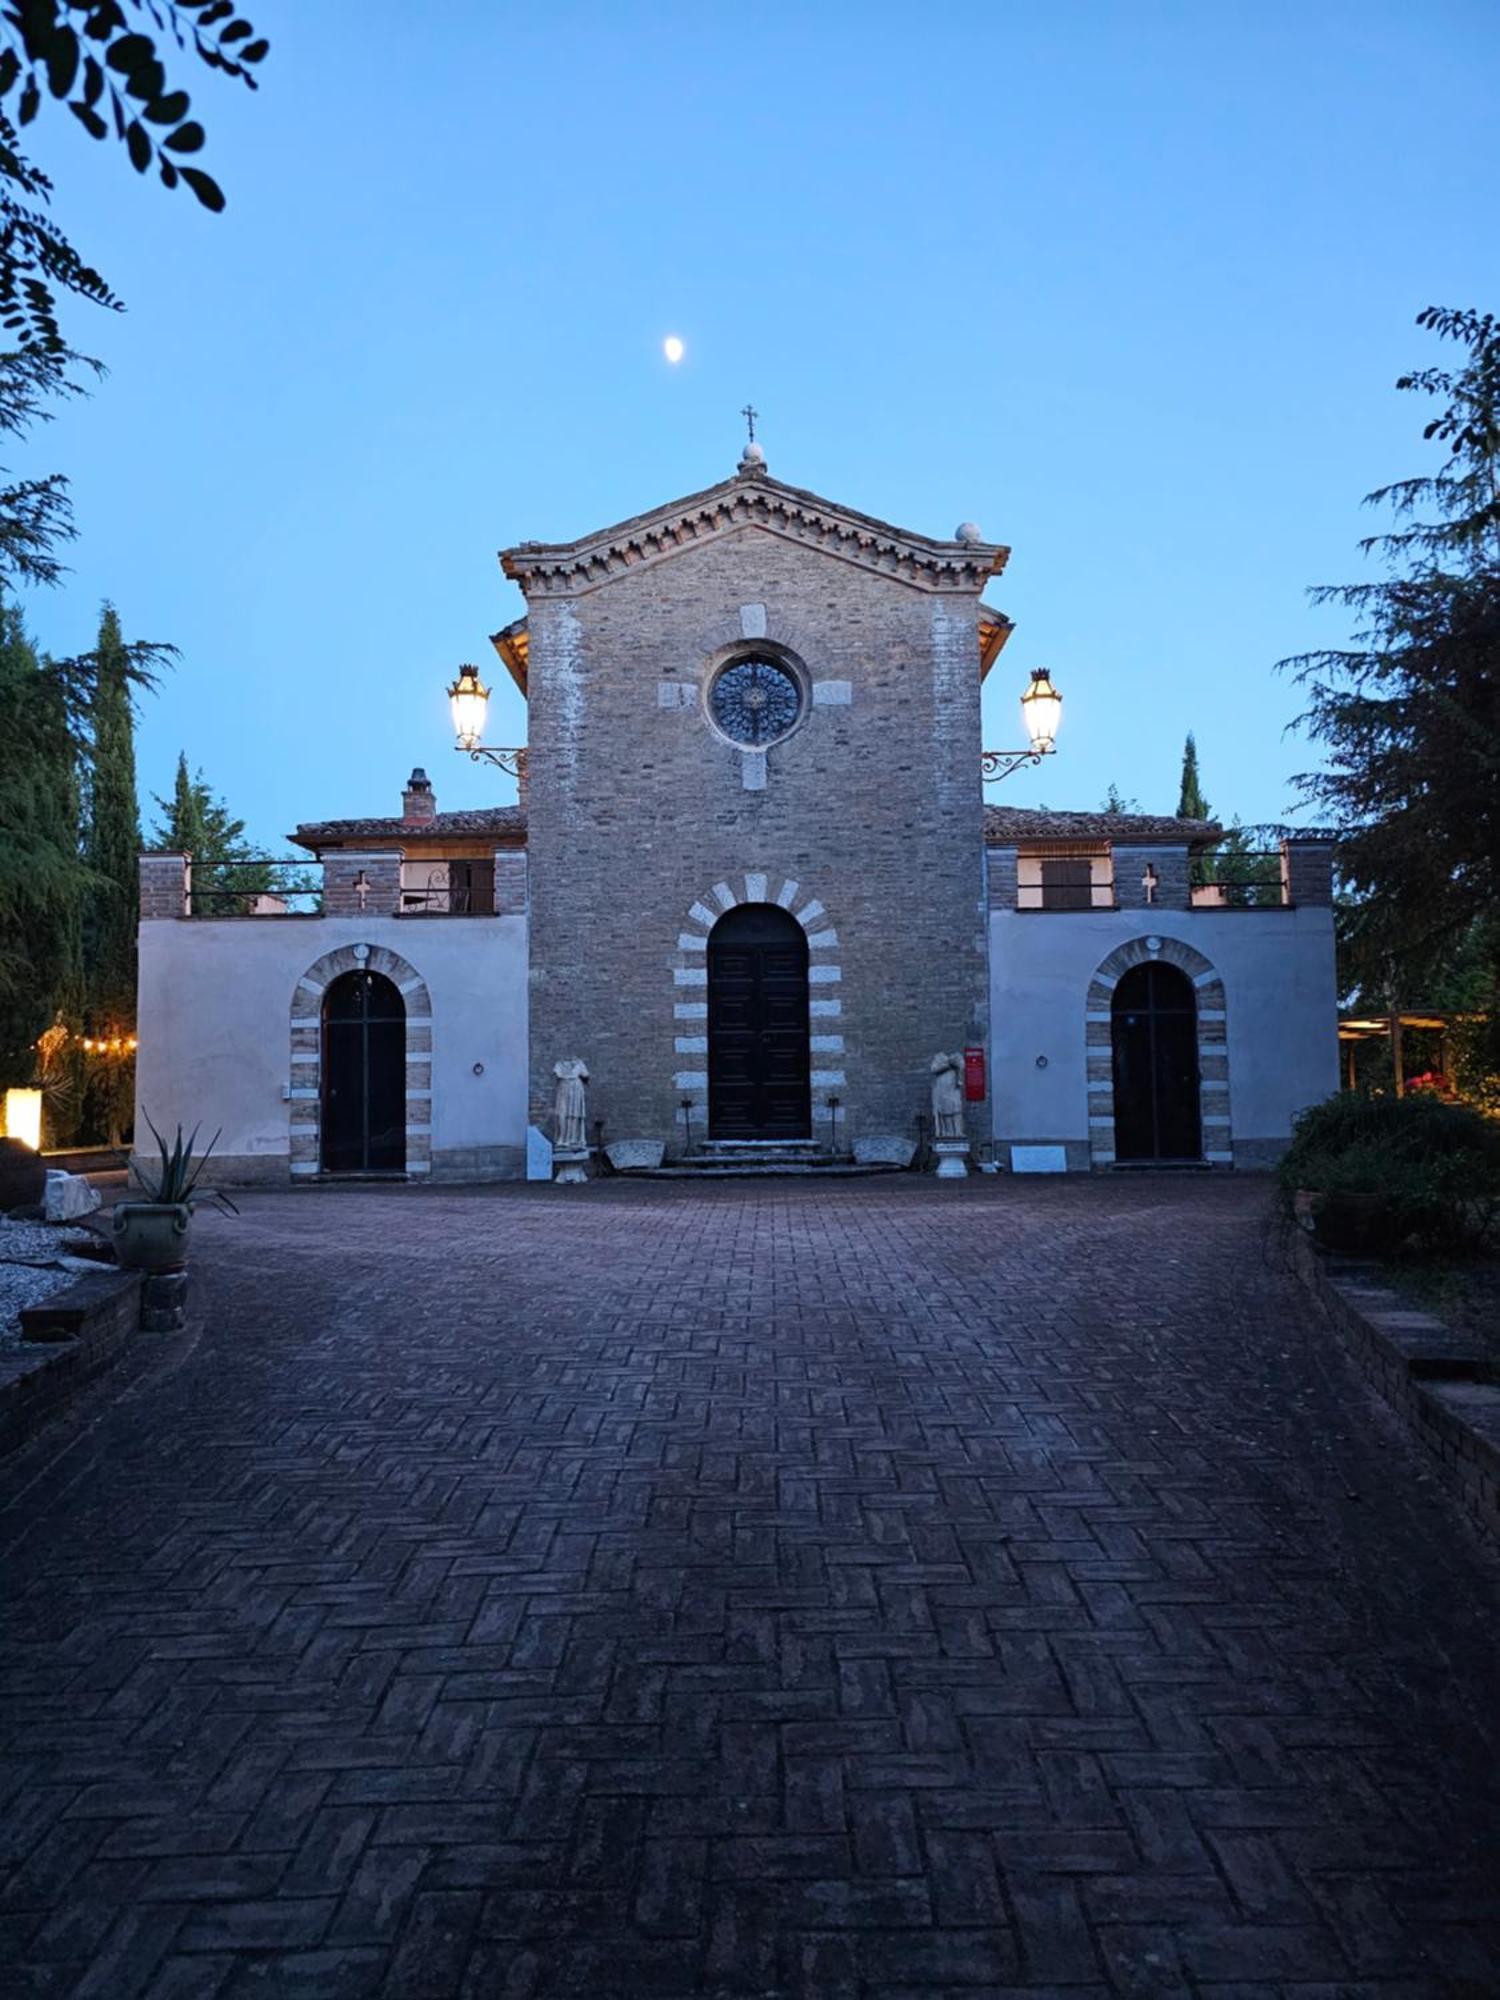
(113, 838)
(41, 873)
(1191, 803)
(112, 842)
(194, 821)
(181, 829)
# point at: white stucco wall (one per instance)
(215, 1044)
(1277, 966)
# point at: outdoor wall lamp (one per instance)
(23, 1117)
(1041, 712)
(469, 704)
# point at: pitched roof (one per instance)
(752, 499)
(442, 826)
(1008, 825)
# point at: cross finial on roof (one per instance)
(750, 413)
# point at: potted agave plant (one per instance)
(152, 1235)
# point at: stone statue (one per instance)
(570, 1132)
(947, 1096)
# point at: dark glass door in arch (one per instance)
(759, 1086)
(1154, 1030)
(364, 1076)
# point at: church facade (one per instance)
(752, 885)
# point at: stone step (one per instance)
(757, 1149)
(724, 1170)
(769, 1158)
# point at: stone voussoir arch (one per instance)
(307, 1053)
(689, 972)
(1213, 1044)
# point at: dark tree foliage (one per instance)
(112, 837)
(1409, 714)
(1191, 803)
(103, 60)
(41, 871)
(194, 821)
(36, 515)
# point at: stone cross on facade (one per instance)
(361, 890)
(1149, 883)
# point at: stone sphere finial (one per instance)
(967, 531)
(753, 458)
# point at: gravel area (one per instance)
(24, 1279)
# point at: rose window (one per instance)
(755, 701)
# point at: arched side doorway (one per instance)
(1154, 1046)
(306, 1092)
(363, 1124)
(1212, 1010)
(759, 1068)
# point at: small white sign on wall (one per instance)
(1039, 1159)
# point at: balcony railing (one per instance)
(1236, 881)
(260, 887)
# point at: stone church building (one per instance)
(753, 885)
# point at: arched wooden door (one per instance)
(759, 1070)
(364, 1076)
(1154, 1030)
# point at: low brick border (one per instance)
(1440, 1382)
(67, 1340)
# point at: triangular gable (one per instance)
(752, 499)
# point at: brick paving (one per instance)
(831, 1589)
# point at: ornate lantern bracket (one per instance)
(1041, 711)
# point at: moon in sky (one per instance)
(672, 347)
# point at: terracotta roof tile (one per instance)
(443, 825)
(1004, 825)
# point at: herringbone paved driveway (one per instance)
(811, 1589)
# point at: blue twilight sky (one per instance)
(1127, 285)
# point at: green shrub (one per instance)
(1434, 1166)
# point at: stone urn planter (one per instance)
(1355, 1225)
(152, 1235)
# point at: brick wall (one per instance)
(164, 886)
(639, 808)
(1307, 871)
(1172, 878)
(510, 883)
(362, 884)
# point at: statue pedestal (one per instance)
(572, 1166)
(952, 1159)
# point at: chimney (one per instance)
(417, 801)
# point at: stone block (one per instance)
(626, 1155)
(68, 1197)
(885, 1149)
(164, 1299)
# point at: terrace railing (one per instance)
(259, 886)
(1238, 881)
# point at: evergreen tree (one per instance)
(112, 842)
(180, 829)
(112, 839)
(42, 879)
(1409, 714)
(1191, 803)
(1114, 801)
(226, 876)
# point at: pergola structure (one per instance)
(1356, 1028)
